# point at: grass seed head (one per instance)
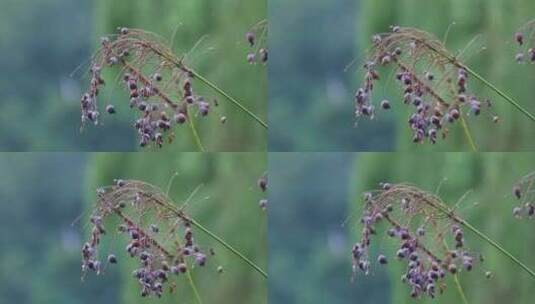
(431, 241)
(151, 225)
(154, 77)
(432, 82)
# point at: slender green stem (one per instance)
(460, 288)
(180, 65)
(179, 213)
(468, 135)
(454, 61)
(484, 237)
(229, 98)
(193, 286)
(456, 278)
(229, 247)
(195, 135)
(500, 92)
(497, 246)
(261, 39)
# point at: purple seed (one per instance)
(381, 259)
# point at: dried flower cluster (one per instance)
(263, 184)
(159, 237)
(524, 192)
(432, 82)
(415, 220)
(159, 84)
(525, 40)
(256, 39)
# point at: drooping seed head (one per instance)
(422, 54)
(180, 118)
(427, 258)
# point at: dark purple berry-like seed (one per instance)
(250, 36)
(182, 267)
(251, 58)
(110, 109)
(263, 204)
(263, 55)
(262, 183)
(517, 192)
(112, 259)
(385, 104)
(452, 268)
(180, 118)
(519, 37)
(382, 259)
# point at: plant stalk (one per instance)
(195, 135)
(229, 247)
(484, 237)
(497, 246)
(178, 213)
(470, 71)
(499, 92)
(193, 287)
(468, 135)
(460, 288)
(229, 98)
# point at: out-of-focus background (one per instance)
(42, 42)
(315, 222)
(43, 194)
(311, 96)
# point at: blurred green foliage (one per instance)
(40, 249)
(489, 177)
(44, 41)
(310, 94)
(309, 247)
